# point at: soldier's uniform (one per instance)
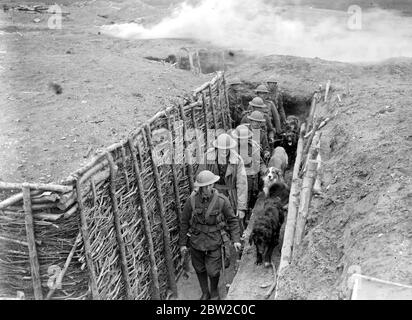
(207, 220)
(276, 96)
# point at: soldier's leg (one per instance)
(213, 266)
(199, 264)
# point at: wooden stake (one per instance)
(212, 105)
(66, 266)
(31, 240)
(205, 120)
(147, 227)
(187, 159)
(174, 171)
(126, 176)
(221, 108)
(86, 243)
(160, 204)
(305, 198)
(327, 90)
(226, 100)
(118, 228)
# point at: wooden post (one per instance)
(187, 151)
(226, 100)
(174, 171)
(327, 90)
(305, 198)
(118, 228)
(86, 243)
(286, 253)
(221, 108)
(213, 108)
(31, 240)
(310, 124)
(205, 119)
(147, 227)
(292, 208)
(126, 176)
(317, 187)
(162, 212)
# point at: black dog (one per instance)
(266, 230)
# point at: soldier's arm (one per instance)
(241, 186)
(184, 223)
(231, 220)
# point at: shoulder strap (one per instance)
(211, 205)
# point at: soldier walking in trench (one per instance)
(235, 102)
(263, 92)
(253, 148)
(276, 96)
(205, 216)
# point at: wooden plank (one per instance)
(212, 105)
(118, 228)
(31, 240)
(162, 210)
(204, 108)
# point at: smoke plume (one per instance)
(263, 28)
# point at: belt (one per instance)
(208, 228)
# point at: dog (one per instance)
(275, 169)
(266, 229)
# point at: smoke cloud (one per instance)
(263, 28)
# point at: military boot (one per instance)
(202, 277)
(214, 290)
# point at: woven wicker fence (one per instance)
(110, 230)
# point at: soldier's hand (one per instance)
(183, 250)
(240, 214)
(238, 246)
(266, 154)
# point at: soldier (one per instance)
(205, 215)
(257, 104)
(263, 92)
(252, 153)
(224, 161)
(276, 96)
(235, 102)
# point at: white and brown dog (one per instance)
(276, 168)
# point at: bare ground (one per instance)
(109, 89)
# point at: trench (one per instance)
(243, 279)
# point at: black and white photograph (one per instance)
(239, 152)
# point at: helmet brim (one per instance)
(257, 120)
(257, 105)
(204, 184)
(231, 146)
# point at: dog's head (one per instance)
(290, 138)
(273, 175)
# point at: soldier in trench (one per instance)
(206, 216)
(276, 96)
(252, 146)
(235, 101)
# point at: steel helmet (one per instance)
(262, 88)
(234, 81)
(257, 102)
(242, 132)
(205, 178)
(224, 141)
(256, 116)
(273, 79)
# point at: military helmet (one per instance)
(234, 81)
(224, 141)
(242, 132)
(272, 79)
(262, 88)
(257, 102)
(256, 116)
(205, 178)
